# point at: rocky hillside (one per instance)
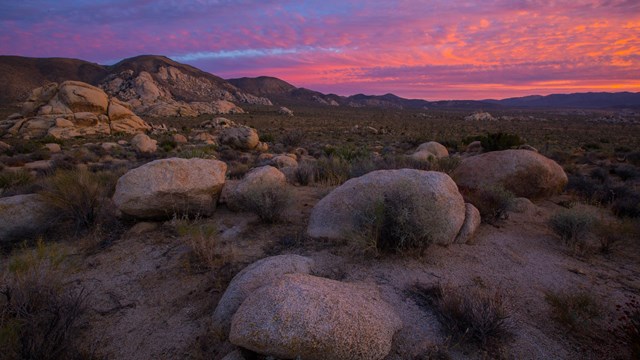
(153, 85)
(19, 75)
(283, 92)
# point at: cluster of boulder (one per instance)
(275, 307)
(157, 94)
(72, 109)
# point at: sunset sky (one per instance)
(441, 49)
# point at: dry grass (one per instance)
(39, 315)
(572, 226)
(575, 311)
(268, 201)
(493, 202)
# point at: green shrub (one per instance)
(292, 138)
(572, 225)
(493, 202)
(496, 141)
(268, 201)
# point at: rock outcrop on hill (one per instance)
(72, 109)
(157, 86)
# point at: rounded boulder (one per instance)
(523, 172)
(167, 187)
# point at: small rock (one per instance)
(53, 147)
(179, 138)
(144, 143)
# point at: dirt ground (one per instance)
(149, 301)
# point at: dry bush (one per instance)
(572, 225)
(292, 138)
(395, 224)
(305, 173)
(576, 311)
(332, 171)
(268, 201)
(468, 316)
(39, 316)
(202, 237)
(77, 196)
(15, 182)
(493, 202)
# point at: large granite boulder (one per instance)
(167, 187)
(437, 205)
(22, 216)
(240, 137)
(523, 172)
(313, 318)
(261, 273)
(254, 180)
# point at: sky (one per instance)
(433, 50)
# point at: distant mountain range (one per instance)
(19, 75)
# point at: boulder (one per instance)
(285, 111)
(179, 139)
(82, 97)
(252, 181)
(284, 161)
(124, 120)
(240, 138)
(262, 272)
(471, 223)
(22, 216)
(144, 143)
(165, 187)
(523, 172)
(480, 116)
(313, 318)
(439, 207)
(39, 96)
(438, 150)
(53, 147)
(474, 147)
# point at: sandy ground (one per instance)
(148, 300)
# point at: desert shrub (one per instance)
(446, 164)
(76, 196)
(202, 152)
(396, 224)
(267, 137)
(612, 233)
(572, 225)
(39, 316)
(203, 239)
(626, 172)
(496, 141)
(467, 315)
(627, 206)
(592, 191)
(576, 311)
(10, 179)
(237, 170)
(332, 170)
(493, 202)
(591, 146)
(634, 158)
(268, 201)
(599, 174)
(305, 173)
(292, 138)
(167, 145)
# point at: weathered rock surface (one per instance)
(523, 172)
(285, 111)
(438, 150)
(262, 272)
(159, 87)
(144, 144)
(480, 116)
(284, 161)
(165, 187)
(440, 207)
(22, 216)
(471, 223)
(252, 181)
(315, 318)
(72, 109)
(240, 137)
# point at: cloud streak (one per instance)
(425, 49)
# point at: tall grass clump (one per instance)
(572, 226)
(39, 315)
(77, 196)
(268, 201)
(468, 316)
